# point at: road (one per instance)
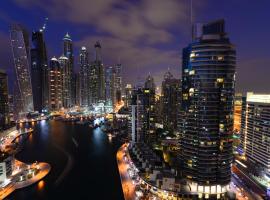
(250, 185)
(127, 185)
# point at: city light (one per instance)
(172, 97)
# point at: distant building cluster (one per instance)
(44, 85)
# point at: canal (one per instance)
(83, 162)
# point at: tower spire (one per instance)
(191, 19)
(45, 24)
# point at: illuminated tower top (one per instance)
(68, 50)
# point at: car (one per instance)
(154, 190)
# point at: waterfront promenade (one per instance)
(42, 170)
(23, 175)
(127, 185)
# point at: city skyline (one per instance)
(164, 36)
(134, 100)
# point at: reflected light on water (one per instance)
(42, 122)
(30, 138)
(41, 185)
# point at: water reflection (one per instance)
(41, 185)
(93, 155)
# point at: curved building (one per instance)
(20, 49)
(208, 82)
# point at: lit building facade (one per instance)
(39, 72)
(242, 146)
(256, 133)
(4, 102)
(171, 101)
(237, 112)
(77, 82)
(118, 82)
(110, 81)
(149, 102)
(128, 95)
(69, 95)
(84, 78)
(97, 77)
(20, 50)
(56, 85)
(142, 116)
(65, 67)
(208, 82)
(7, 165)
(136, 118)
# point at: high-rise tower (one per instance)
(56, 85)
(39, 71)
(84, 78)
(68, 53)
(255, 138)
(110, 86)
(20, 49)
(97, 77)
(171, 94)
(65, 67)
(118, 82)
(208, 81)
(4, 111)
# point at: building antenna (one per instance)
(44, 25)
(191, 18)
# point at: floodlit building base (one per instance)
(206, 192)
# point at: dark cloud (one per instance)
(140, 60)
(132, 29)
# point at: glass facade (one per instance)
(208, 84)
(84, 78)
(39, 72)
(4, 111)
(20, 49)
(56, 85)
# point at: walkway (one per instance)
(44, 169)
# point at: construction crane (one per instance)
(44, 25)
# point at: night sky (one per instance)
(147, 36)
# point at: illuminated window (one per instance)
(220, 80)
(192, 55)
(191, 72)
(220, 58)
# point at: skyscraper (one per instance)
(78, 89)
(4, 111)
(110, 81)
(137, 118)
(97, 77)
(118, 82)
(142, 116)
(84, 78)
(149, 83)
(128, 95)
(257, 132)
(39, 71)
(69, 86)
(55, 85)
(208, 81)
(20, 49)
(171, 94)
(64, 65)
(149, 94)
